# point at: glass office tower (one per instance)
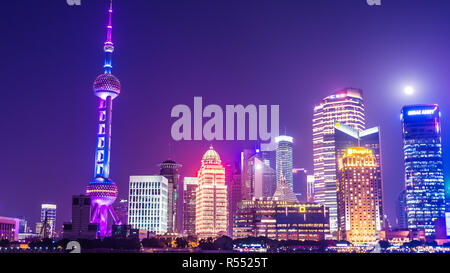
(424, 178)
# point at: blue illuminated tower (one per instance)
(424, 178)
(102, 190)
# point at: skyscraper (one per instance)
(284, 192)
(402, 218)
(346, 137)
(299, 178)
(233, 183)
(48, 221)
(284, 158)
(211, 217)
(345, 106)
(424, 178)
(102, 190)
(190, 185)
(357, 196)
(148, 203)
(310, 188)
(169, 169)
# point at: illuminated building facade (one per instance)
(284, 158)
(148, 203)
(48, 218)
(346, 137)
(121, 210)
(189, 194)
(211, 211)
(281, 220)
(357, 196)
(284, 192)
(9, 229)
(169, 169)
(102, 190)
(424, 178)
(345, 106)
(310, 188)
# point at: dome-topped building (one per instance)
(211, 155)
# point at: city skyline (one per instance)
(150, 146)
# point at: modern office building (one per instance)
(148, 205)
(190, 185)
(9, 229)
(345, 106)
(169, 169)
(121, 210)
(80, 227)
(300, 187)
(424, 178)
(102, 189)
(402, 218)
(310, 188)
(211, 217)
(48, 221)
(233, 183)
(281, 220)
(284, 158)
(357, 196)
(346, 137)
(258, 178)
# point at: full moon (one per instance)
(409, 90)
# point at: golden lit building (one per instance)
(357, 195)
(211, 211)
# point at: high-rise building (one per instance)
(281, 220)
(259, 178)
(9, 229)
(102, 189)
(284, 158)
(233, 183)
(148, 203)
(211, 217)
(346, 137)
(81, 226)
(424, 178)
(402, 219)
(190, 185)
(169, 169)
(345, 106)
(310, 188)
(299, 178)
(47, 225)
(357, 196)
(121, 210)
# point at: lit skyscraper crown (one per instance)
(211, 155)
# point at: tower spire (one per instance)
(109, 45)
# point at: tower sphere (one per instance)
(106, 85)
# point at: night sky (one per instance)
(291, 53)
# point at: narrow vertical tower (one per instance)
(102, 190)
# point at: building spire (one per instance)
(109, 45)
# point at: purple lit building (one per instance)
(102, 190)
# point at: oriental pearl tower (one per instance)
(102, 190)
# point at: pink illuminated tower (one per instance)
(102, 190)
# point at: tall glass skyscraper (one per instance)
(345, 106)
(48, 220)
(284, 159)
(424, 178)
(169, 169)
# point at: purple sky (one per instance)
(290, 53)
